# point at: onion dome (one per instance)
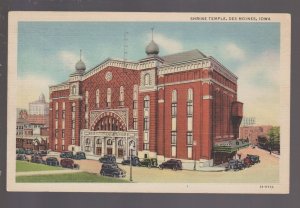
(152, 48)
(80, 66)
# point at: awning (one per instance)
(230, 146)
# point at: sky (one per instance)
(48, 52)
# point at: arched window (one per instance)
(174, 96)
(121, 95)
(108, 97)
(190, 95)
(120, 143)
(97, 98)
(86, 97)
(131, 143)
(74, 90)
(87, 141)
(147, 79)
(135, 92)
(109, 142)
(146, 101)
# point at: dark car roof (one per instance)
(51, 158)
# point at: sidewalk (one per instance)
(47, 172)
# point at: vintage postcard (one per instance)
(149, 102)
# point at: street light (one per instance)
(194, 145)
(130, 155)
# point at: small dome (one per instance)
(80, 66)
(152, 48)
(42, 97)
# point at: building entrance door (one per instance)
(109, 151)
(120, 152)
(98, 150)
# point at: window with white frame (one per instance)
(147, 79)
(173, 137)
(121, 99)
(97, 98)
(189, 103)
(189, 137)
(108, 98)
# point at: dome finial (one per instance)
(80, 65)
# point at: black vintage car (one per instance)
(235, 165)
(111, 159)
(112, 170)
(20, 151)
(52, 161)
(37, 159)
(43, 153)
(66, 154)
(79, 156)
(254, 158)
(21, 157)
(29, 152)
(69, 163)
(171, 164)
(135, 161)
(149, 162)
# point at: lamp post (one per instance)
(194, 145)
(130, 155)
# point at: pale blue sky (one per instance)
(48, 51)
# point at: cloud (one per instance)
(232, 51)
(259, 88)
(69, 59)
(166, 44)
(30, 87)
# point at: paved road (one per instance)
(265, 172)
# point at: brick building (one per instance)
(253, 132)
(174, 106)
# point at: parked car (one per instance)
(53, 161)
(135, 161)
(66, 154)
(171, 164)
(149, 162)
(112, 170)
(20, 151)
(43, 153)
(248, 162)
(235, 165)
(37, 159)
(69, 163)
(79, 156)
(29, 152)
(21, 157)
(254, 158)
(108, 159)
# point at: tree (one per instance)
(274, 135)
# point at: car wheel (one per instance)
(160, 167)
(175, 168)
(149, 165)
(115, 175)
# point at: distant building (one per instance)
(32, 129)
(248, 121)
(39, 107)
(253, 132)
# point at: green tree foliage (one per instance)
(274, 135)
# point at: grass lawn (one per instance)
(70, 177)
(24, 166)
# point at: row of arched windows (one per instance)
(109, 95)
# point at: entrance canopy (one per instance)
(230, 146)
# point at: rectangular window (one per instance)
(190, 152)
(173, 151)
(63, 115)
(135, 124)
(63, 147)
(73, 124)
(189, 109)
(189, 137)
(73, 141)
(135, 104)
(146, 123)
(174, 109)
(146, 146)
(108, 104)
(173, 137)
(56, 114)
(146, 103)
(55, 147)
(73, 133)
(56, 133)
(73, 108)
(63, 133)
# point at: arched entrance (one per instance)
(109, 121)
